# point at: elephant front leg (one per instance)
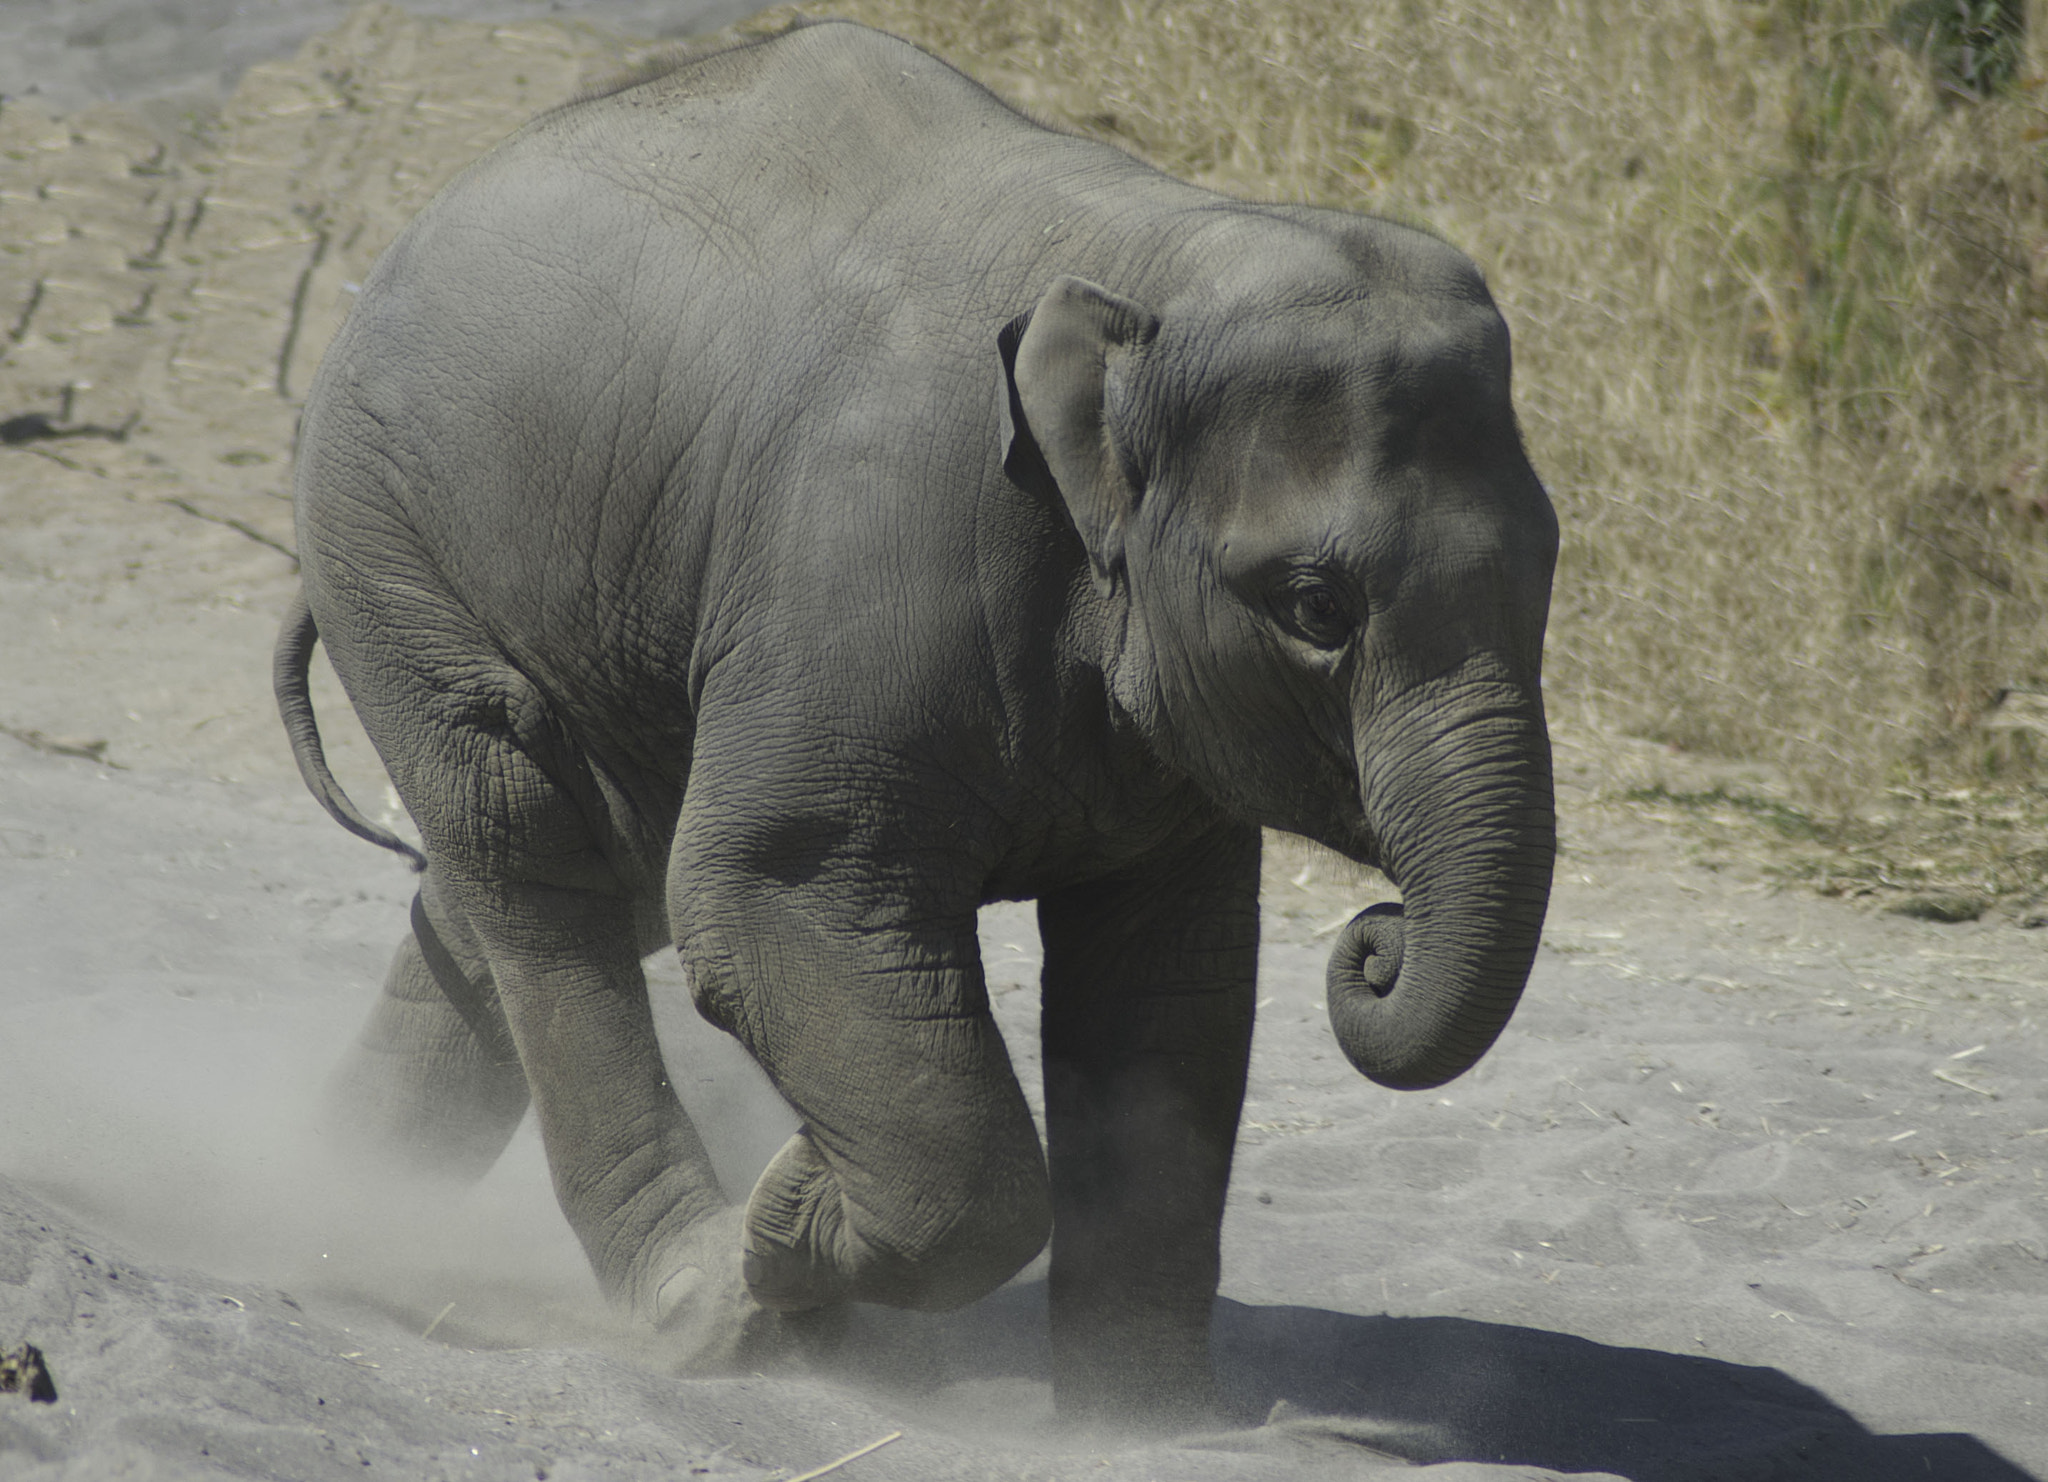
(1146, 1037)
(917, 1179)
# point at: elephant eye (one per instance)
(1315, 613)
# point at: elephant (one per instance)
(771, 510)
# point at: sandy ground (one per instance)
(1752, 1188)
(172, 54)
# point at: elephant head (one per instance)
(1325, 564)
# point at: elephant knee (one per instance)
(808, 1245)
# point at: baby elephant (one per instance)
(778, 507)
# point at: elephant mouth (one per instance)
(1347, 832)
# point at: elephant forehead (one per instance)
(1316, 379)
(1326, 434)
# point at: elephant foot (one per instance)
(794, 1225)
(804, 1251)
(1129, 1368)
(697, 1299)
(1142, 1400)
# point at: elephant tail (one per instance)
(289, 666)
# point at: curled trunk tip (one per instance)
(1367, 957)
(1415, 1029)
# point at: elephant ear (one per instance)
(1059, 365)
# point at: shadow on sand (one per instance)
(1437, 1389)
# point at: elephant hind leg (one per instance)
(433, 1076)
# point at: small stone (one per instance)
(25, 1372)
(1946, 908)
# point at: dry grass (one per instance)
(1781, 306)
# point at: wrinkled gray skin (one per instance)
(779, 507)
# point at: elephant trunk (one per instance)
(1457, 789)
